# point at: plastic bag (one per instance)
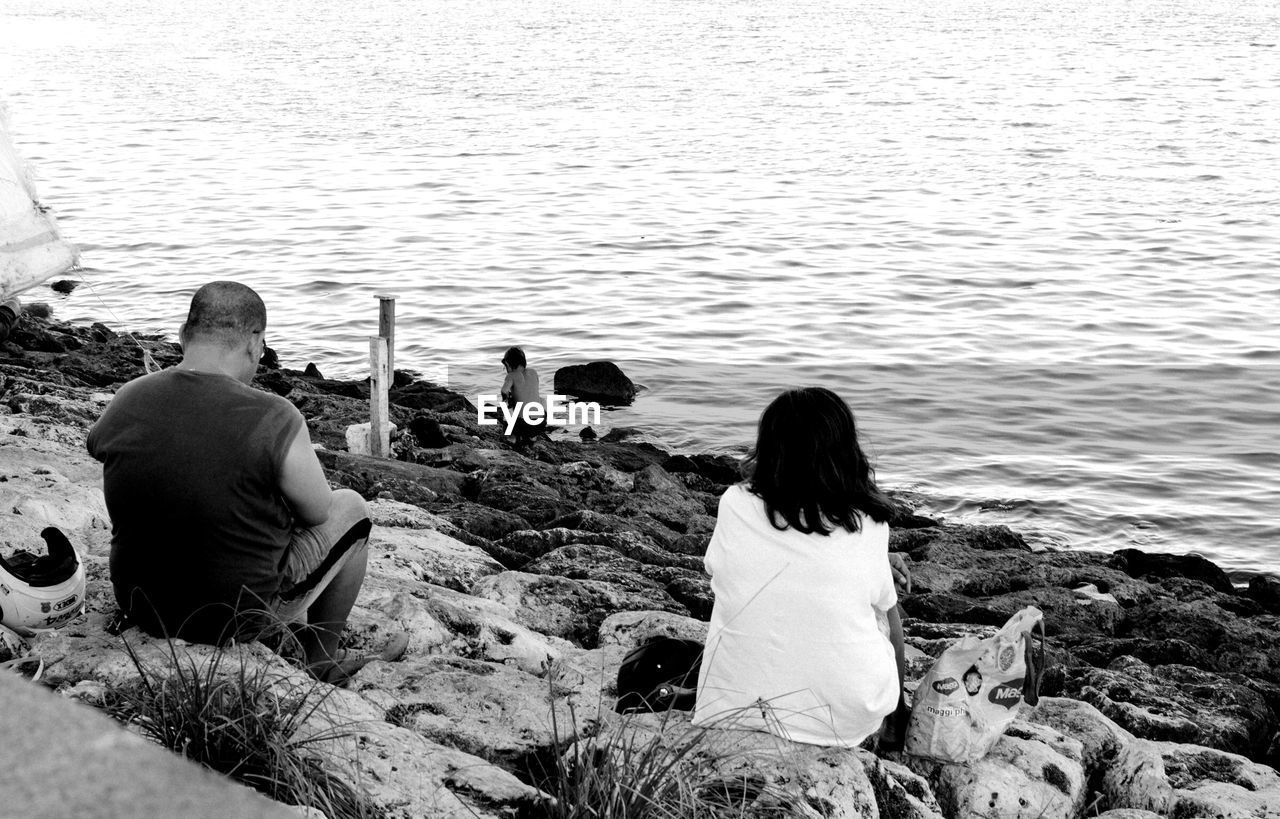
(975, 689)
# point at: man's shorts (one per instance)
(316, 554)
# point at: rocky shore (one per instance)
(524, 577)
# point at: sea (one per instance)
(1035, 245)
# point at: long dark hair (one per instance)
(808, 468)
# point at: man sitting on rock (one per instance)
(222, 519)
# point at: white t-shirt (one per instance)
(795, 644)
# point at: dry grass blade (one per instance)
(245, 722)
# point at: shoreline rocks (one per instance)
(524, 577)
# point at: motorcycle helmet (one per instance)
(41, 593)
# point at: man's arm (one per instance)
(302, 481)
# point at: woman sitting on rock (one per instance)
(805, 638)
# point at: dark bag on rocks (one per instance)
(660, 675)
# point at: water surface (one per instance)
(1032, 243)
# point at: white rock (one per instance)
(1209, 782)
(1136, 779)
(1089, 593)
(393, 513)
(900, 792)
(1033, 772)
(488, 709)
(1101, 738)
(407, 775)
(443, 621)
(428, 555)
(632, 628)
(358, 438)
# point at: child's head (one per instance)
(513, 358)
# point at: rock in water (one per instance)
(1265, 589)
(619, 434)
(599, 381)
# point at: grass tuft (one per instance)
(636, 770)
(245, 722)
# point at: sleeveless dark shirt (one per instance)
(191, 475)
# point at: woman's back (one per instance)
(796, 644)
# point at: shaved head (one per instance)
(226, 313)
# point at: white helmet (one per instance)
(45, 592)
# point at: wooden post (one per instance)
(379, 402)
(387, 329)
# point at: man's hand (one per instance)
(901, 574)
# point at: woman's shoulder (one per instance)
(871, 530)
(738, 493)
(739, 502)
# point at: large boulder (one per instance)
(409, 543)
(565, 608)
(593, 520)
(408, 482)
(1128, 772)
(483, 521)
(1136, 779)
(1265, 590)
(443, 621)
(408, 775)
(654, 478)
(1209, 782)
(528, 498)
(1142, 564)
(423, 395)
(900, 792)
(430, 557)
(1100, 738)
(600, 381)
(1244, 645)
(537, 543)
(1033, 771)
(633, 628)
(743, 773)
(1178, 703)
(490, 710)
(676, 512)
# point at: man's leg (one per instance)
(327, 616)
(325, 569)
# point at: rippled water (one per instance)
(1033, 243)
